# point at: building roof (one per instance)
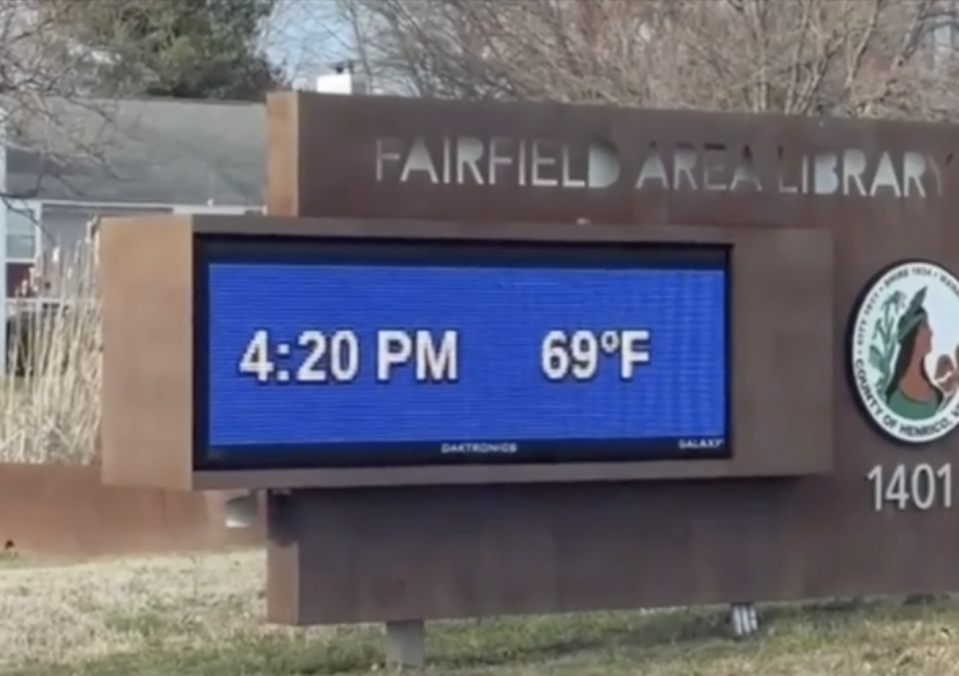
(144, 150)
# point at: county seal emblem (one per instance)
(904, 352)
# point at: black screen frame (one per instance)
(209, 248)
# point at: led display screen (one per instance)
(364, 352)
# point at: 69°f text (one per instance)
(579, 355)
(335, 356)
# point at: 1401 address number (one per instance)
(903, 487)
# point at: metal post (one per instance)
(406, 643)
(3, 245)
(744, 619)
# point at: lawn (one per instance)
(179, 616)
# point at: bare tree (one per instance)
(829, 57)
(306, 37)
(45, 80)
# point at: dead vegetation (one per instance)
(858, 58)
(50, 404)
(44, 79)
(68, 613)
(49, 412)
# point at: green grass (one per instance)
(838, 639)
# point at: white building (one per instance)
(74, 161)
(80, 160)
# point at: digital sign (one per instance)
(366, 352)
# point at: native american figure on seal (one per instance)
(911, 392)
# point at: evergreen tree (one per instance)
(197, 49)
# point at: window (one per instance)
(23, 232)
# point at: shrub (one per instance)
(50, 397)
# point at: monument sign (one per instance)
(491, 358)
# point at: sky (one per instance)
(306, 36)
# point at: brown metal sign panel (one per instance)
(146, 277)
(783, 276)
(882, 522)
(385, 157)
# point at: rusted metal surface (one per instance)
(350, 154)
(785, 276)
(146, 282)
(64, 510)
(879, 191)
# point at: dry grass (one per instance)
(51, 413)
(203, 615)
(66, 613)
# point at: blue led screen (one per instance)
(315, 360)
